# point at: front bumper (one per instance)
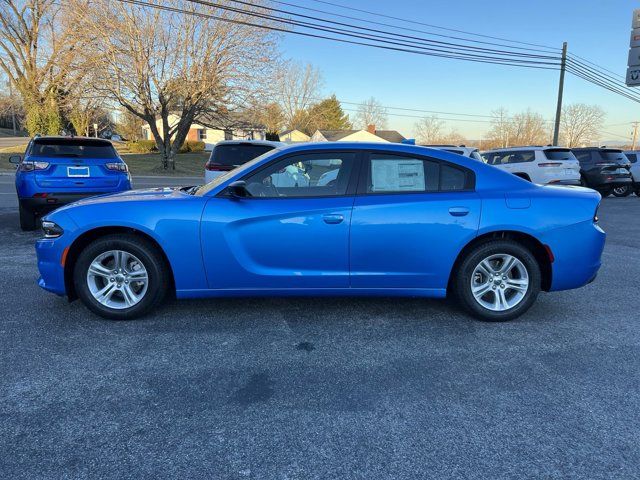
(49, 253)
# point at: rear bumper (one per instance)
(577, 250)
(52, 201)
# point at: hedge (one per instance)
(142, 146)
(192, 146)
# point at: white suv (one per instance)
(542, 165)
(470, 152)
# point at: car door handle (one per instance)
(459, 211)
(333, 218)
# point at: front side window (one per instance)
(305, 175)
(398, 174)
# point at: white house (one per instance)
(368, 135)
(210, 136)
(293, 136)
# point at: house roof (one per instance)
(335, 135)
(390, 135)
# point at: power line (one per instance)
(388, 35)
(490, 56)
(378, 14)
(420, 51)
(593, 78)
(615, 74)
(604, 77)
(405, 28)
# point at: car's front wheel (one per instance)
(498, 280)
(121, 277)
(623, 191)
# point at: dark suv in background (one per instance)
(603, 169)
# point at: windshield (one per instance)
(234, 154)
(68, 147)
(559, 154)
(204, 189)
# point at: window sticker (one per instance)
(397, 175)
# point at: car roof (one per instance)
(526, 147)
(251, 142)
(608, 149)
(61, 138)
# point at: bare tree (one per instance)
(429, 130)
(155, 63)
(580, 123)
(371, 112)
(528, 128)
(499, 133)
(36, 49)
(296, 88)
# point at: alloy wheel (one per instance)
(117, 279)
(499, 282)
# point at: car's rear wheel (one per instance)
(121, 277)
(623, 191)
(498, 280)
(605, 192)
(28, 220)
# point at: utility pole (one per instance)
(13, 108)
(635, 135)
(563, 65)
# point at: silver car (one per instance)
(623, 191)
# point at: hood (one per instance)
(142, 195)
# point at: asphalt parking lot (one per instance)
(322, 388)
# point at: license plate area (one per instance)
(75, 172)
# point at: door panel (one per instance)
(277, 243)
(410, 241)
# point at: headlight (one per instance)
(51, 230)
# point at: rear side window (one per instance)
(237, 154)
(504, 158)
(398, 174)
(612, 155)
(633, 158)
(559, 154)
(73, 148)
(522, 156)
(583, 156)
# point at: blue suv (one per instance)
(60, 170)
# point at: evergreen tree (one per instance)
(327, 115)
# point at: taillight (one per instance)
(31, 166)
(550, 164)
(117, 167)
(216, 167)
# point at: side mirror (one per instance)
(15, 159)
(238, 189)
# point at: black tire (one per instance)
(28, 220)
(583, 181)
(605, 192)
(461, 284)
(157, 270)
(623, 191)
(638, 192)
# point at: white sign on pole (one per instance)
(635, 38)
(633, 65)
(634, 57)
(633, 76)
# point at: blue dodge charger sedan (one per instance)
(386, 219)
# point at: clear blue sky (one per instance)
(595, 29)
